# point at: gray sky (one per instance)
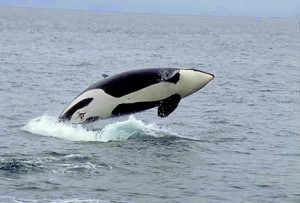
(268, 8)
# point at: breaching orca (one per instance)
(135, 91)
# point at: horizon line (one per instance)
(150, 13)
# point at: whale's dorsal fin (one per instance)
(168, 105)
(104, 75)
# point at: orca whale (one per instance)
(135, 91)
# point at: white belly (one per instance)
(103, 104)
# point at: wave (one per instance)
(61, 164)
(73, 200)
(131, 128)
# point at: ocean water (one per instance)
(236, 140)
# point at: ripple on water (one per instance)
(62, 164)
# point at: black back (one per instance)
(131, 81)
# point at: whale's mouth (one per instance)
(212, 75)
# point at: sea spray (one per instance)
(117, 131)
(49, 126)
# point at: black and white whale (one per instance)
(135, 91)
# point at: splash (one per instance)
(117, 131)
(49, 126)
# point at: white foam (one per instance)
(118, 131)
(49, 126)
(124, 130)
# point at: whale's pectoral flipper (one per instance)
(168, 105)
